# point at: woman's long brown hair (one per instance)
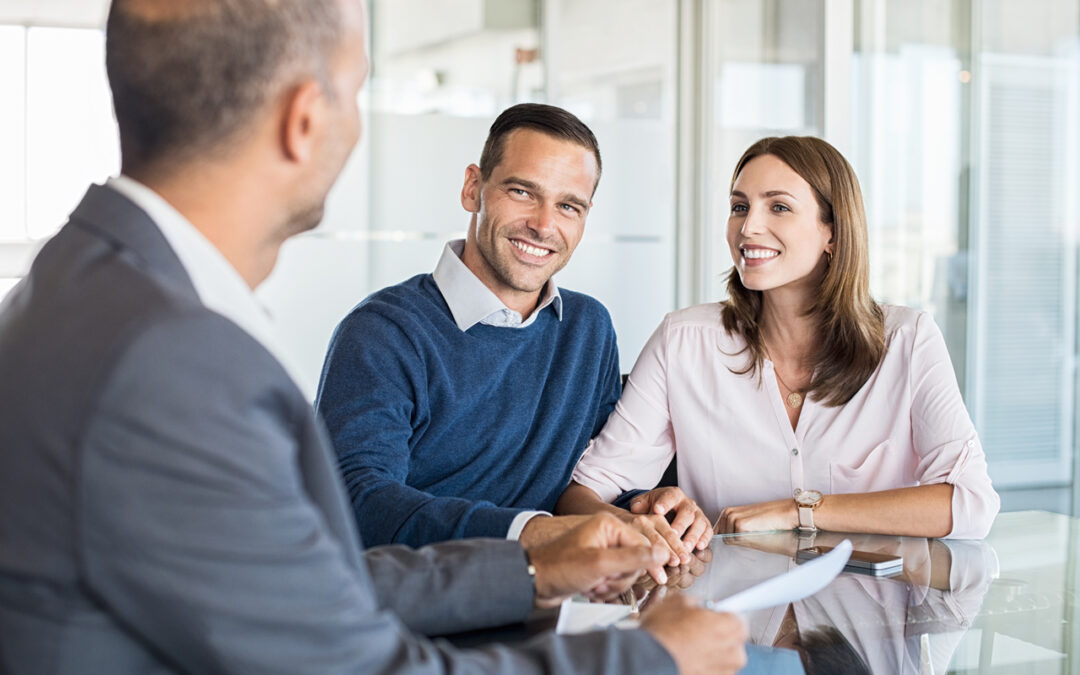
(850, 325)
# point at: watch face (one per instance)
(808, 497)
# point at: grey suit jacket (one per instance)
(169, 502)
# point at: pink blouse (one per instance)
(906, 426)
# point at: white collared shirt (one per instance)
(217, 283)
(471, 302)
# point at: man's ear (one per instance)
(302, 118)
(470, 190)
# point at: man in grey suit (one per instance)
(168, 500)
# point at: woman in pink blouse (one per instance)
(799, 401)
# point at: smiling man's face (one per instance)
(529, 215)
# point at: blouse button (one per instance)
(795, 451)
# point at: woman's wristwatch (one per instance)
(806, 501)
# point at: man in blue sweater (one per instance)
(460, 401)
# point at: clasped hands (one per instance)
(666, 517)
(601, 556)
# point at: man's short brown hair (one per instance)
(186, 76)
(546, 119)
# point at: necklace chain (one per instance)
(795, 397)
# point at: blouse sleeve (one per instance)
(944, 437)
(636, 444)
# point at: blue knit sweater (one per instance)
(443, 434)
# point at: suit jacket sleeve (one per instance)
(373, 397)
(457, 573)
(200, 536)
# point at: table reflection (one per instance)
(908, 623)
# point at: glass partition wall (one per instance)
(961, 117)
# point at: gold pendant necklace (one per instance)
(795, 398)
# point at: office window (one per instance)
(70, 133)
(764, 78)
(436, 86)
(1024, 237)
(911, 94)
(12, 134)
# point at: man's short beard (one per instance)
(304, 220)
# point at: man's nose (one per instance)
(543, 220)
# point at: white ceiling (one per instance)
(75, 13)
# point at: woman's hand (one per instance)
(781, 514)
(688, 521)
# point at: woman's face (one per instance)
(775, 234)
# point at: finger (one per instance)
(649, 527)
(630, 560)
(695, 536)
(723, 525)
(658, 574)
(614, 533)
(671, 538)
(640, 504)
(685, 515)
(666, 499)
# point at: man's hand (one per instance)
(687, 520)
(781, 514)
(700, 640)
(540, 530)
(601, 558)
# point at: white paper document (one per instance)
(582, 617)
(802, 581)
(792, 586)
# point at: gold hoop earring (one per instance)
(828, 258)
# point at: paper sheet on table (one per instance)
(582, 617)
(802, 581)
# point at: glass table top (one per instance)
(1007, 604)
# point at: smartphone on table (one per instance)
(862, 562)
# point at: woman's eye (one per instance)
(780, 207)
(738, 208)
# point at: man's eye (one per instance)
(519, 192)
(569, 208)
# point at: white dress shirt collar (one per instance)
(471, 302)
(217, 283)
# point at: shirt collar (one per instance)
(217, 283)
(471, 302)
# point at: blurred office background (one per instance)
(961, 117)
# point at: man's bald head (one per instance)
(189, 77)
